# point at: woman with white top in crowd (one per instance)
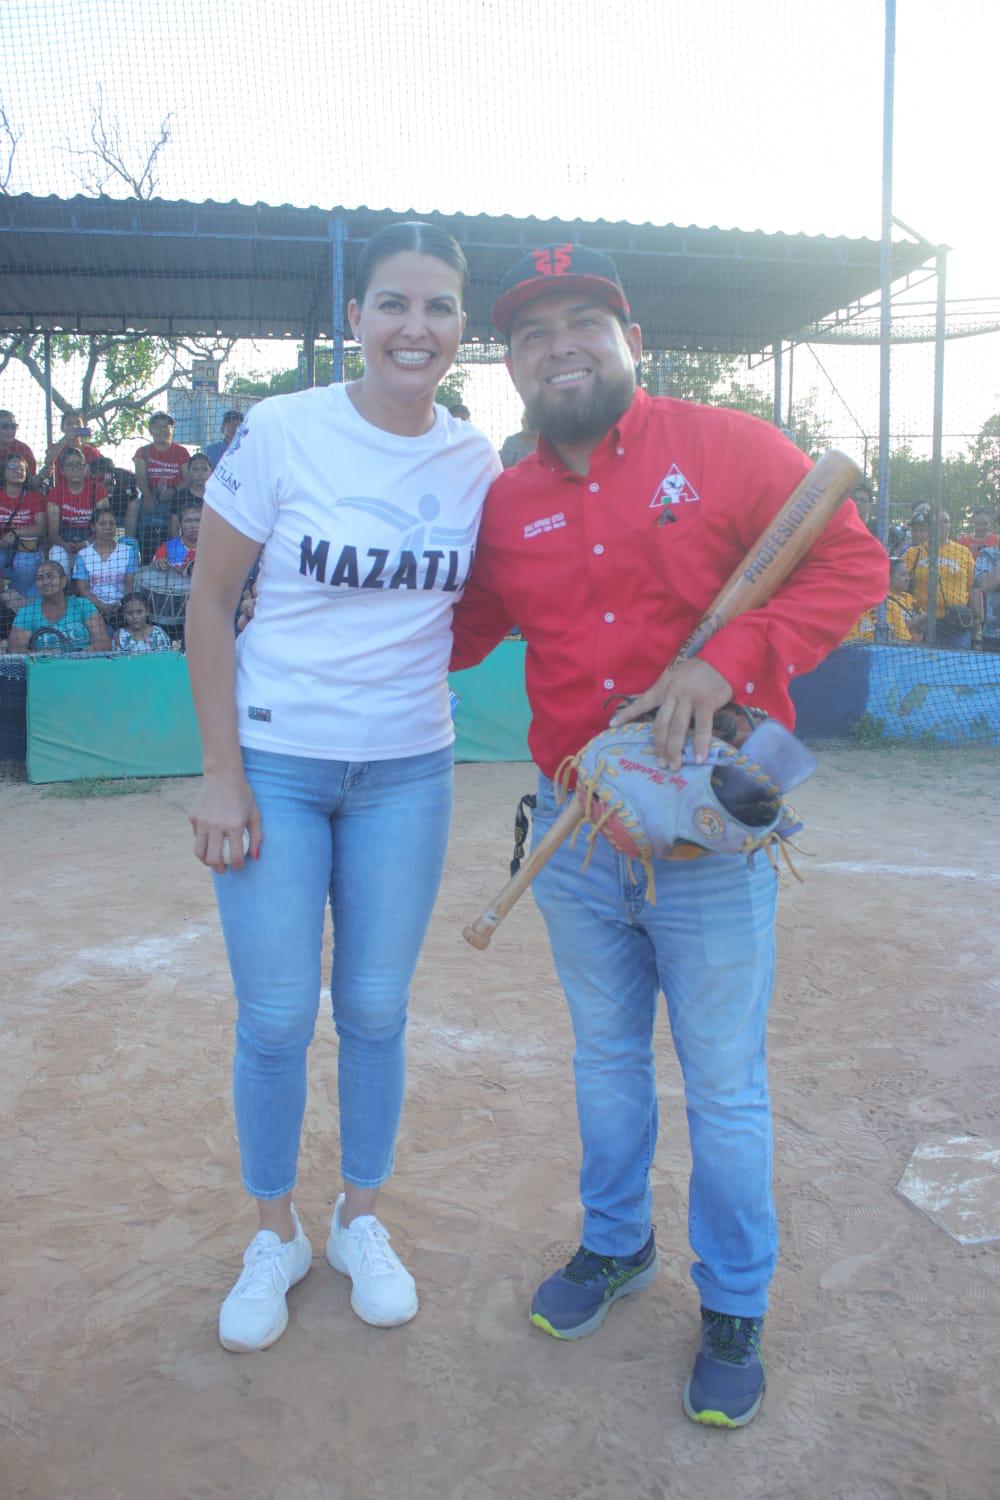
(104, 571)
(327, 744)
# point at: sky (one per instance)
(759, 114)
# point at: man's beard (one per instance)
(585, 420)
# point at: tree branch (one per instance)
(9, 147)
(110, 155)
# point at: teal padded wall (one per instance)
(133, 716)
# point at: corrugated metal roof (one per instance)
(258, 270)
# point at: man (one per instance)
(956, 569)
(606, 545)
(10, 444)
(231, 421)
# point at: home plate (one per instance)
(957, 1184)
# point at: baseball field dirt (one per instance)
(125, 1220)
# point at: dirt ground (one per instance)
(126, 1221)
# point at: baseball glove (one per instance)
(728, 805)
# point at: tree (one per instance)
(122, 377)
(712, 379)
(256, 384)
(985, 453)
(911, 484)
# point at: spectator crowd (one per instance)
(95, 557)
(967, 593)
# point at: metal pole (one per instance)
(791, 378)
(338, 230)
(885, 264)
(309, 354)
(47, 341)
(776, 348)
(940, 264)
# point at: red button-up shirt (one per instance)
(607, 573)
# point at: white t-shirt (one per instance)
(368, 542)
(106, 575)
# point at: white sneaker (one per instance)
(255, 1313)
(384, 1291)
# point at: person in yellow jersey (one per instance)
(904, 618)
(955, 571)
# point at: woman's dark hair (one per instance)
(425, 239)
(70, 453)
(201, 455)
(52, 562)
(136, 596)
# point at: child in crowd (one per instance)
(139, 635)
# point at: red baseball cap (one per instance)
(558, 268)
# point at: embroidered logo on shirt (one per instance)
(547, 523)
(263, 714)
(673, 489)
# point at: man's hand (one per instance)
(683, 696)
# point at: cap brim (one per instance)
(519, 296)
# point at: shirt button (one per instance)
(609, 617)
(620, 452)
(791, 668)
(749, 687)
(609, 682)
(593, 488)
(599, 548)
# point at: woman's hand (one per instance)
(223, 807)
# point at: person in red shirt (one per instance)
(10, 444)
(23, 525)
(981, 536)
(75, 434)
(161, 464)
(605, 546)
(72, 501)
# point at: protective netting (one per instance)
(182, 205)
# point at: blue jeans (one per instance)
(708, 944)
(371, 837)
(19, 566)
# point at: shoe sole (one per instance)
(637, 1283)
(372, 1319)
(710, 1418)
(274, 1334)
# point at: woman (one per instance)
(72, 502)
(105, 569)
(23, 523)
(75, 434)
(53, 622)
(328, 770)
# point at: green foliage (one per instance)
(713, 380)
(910, 485)
(868, 731)
(986, 460)
(114, 379)
(257, 384)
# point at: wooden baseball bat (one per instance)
(807, 511)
